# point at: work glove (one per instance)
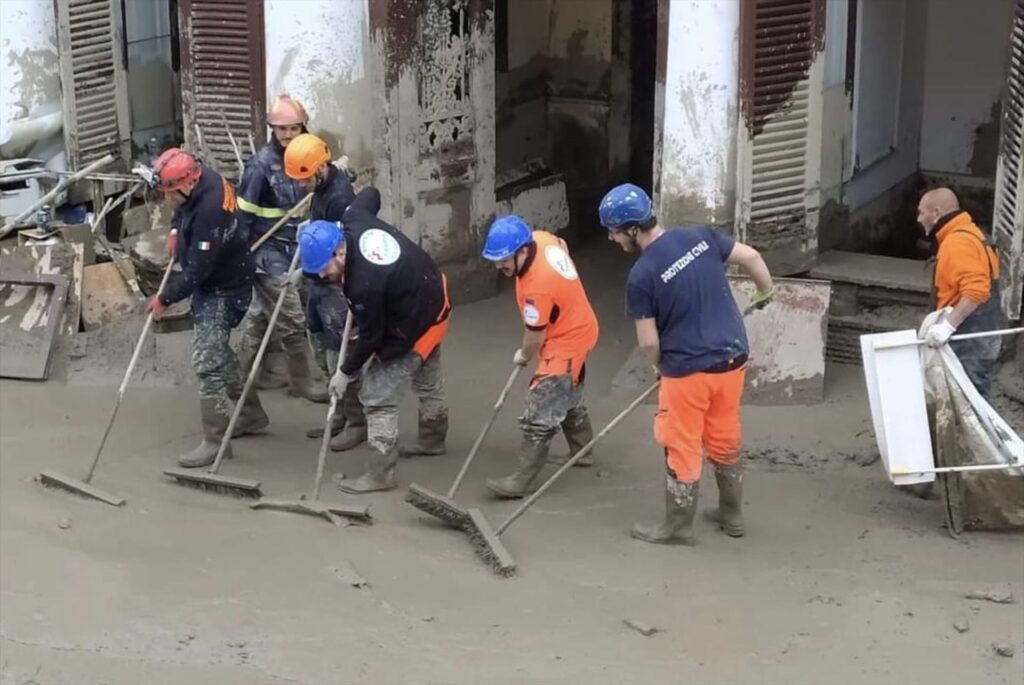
(519, 359)
(156, 307)
(339, 383)
(939, 333)
(761, 299)
(172, 242)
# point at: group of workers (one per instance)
(352, 262)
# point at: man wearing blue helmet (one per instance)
(560, 331)
(688, 325)
(399, 300)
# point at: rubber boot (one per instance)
(253, 420)
(379, 477)
(677, 528)
(337, 425)
(430, 441)
(214, 422)
(576, 436)
(300, 381)
(355, 428)
(729, 514)
(532, 456)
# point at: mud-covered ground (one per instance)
(840, 579)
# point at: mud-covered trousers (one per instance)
(213, 360)
(384, 386)
(553, 402)
(272, 260)
(326, 310)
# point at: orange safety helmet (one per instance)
(304, 155)
(286, 111)
(176, 169)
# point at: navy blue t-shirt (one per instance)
(680, 281)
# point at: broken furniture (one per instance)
(31, 309)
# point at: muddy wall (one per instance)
(963, 84)
(315, 51)
(698, 163)
(28, 55)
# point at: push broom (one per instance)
(313, 505)
(84, 487)
(211, 479)
(444, 507)
(487, 540)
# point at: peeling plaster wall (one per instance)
(30, 83)
(698, 164)
(315, 52)
(963, 84)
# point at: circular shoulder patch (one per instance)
(530, 314)
(560, 262)
(378, 247)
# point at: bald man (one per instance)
(966, 285)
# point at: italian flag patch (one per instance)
(203, 245)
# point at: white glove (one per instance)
(339, 382)
(938, 334)
(519, 359)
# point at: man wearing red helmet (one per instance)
(217, 272)
(265, 194)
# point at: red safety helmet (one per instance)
(286, 111)
(176, 169)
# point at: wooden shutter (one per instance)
(222, 78)
(779, 141)
(94, 86)
(1008, 218)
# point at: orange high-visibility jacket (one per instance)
(966, 265)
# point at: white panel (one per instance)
(878, 79)
(837, 23)
(899, 415)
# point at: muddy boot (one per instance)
(432, 434)
(300, 381)
(677, 528)
(729, 514)
(337, 425)
(355, 429)
(532, 455)
(215, 422)
(253, 420)
(577, 435)
(380, 476)
(273, 371)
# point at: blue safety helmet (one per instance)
(624, 206)
(507, 234)
(317, 243)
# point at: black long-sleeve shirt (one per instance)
(393, 287)
(212, 250)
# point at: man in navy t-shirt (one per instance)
(689, 326)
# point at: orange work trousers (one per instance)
(695, 412)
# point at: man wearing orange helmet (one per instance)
(265, 194)
(217, 271)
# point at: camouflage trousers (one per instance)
(384, 386)
(213, 360)
(272, 260)
(553, 403)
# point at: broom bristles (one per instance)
(242, 490)
(488, 546)
(438, 506)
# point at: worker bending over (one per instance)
(265, 194)
(560, 331)
(966, 285)
(688, 325)
(399, 300)
(307, 161)
(217, 271)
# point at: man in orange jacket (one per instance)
(561, 330)
(966, 285)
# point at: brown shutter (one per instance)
(90, 35)
(779, 141)
(1008, 218)
(222, 77)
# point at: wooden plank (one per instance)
(30, 310)
(105, 296)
